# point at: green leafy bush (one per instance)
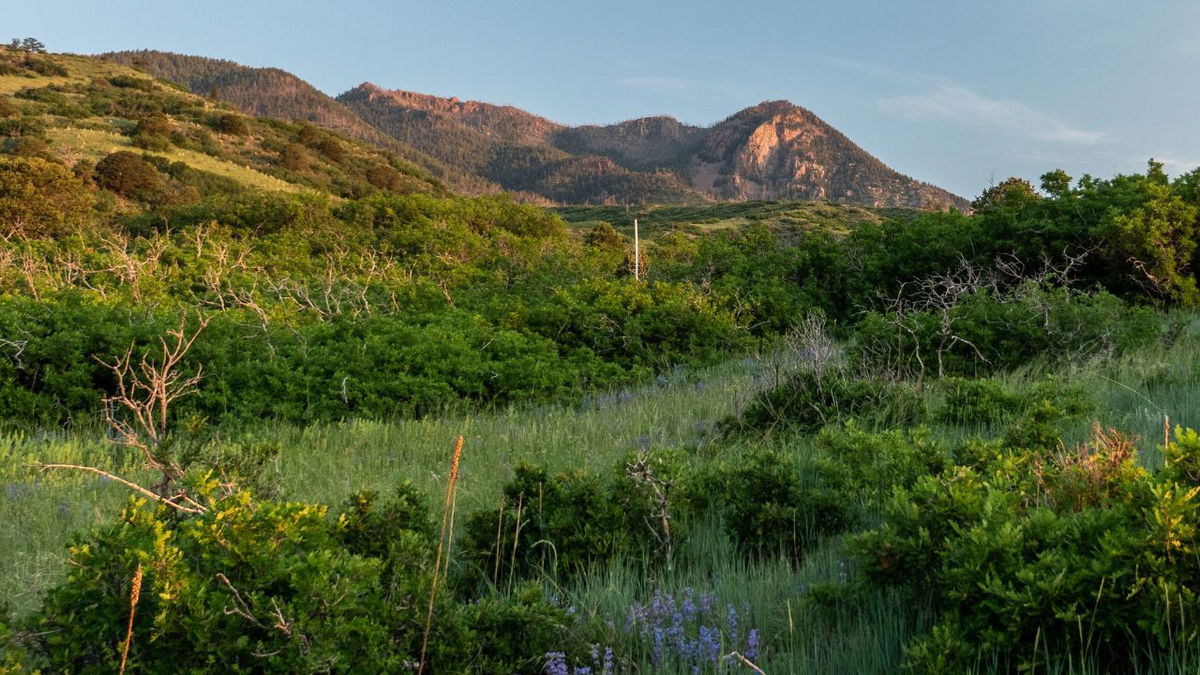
(568, 523)
(128, 175)
(769, 503)
(1048, 554)
(251, 586)
(810, 400)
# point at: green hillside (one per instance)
(277, 94)
(75, 111)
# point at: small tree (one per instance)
(33, 45)
(129, 176)
(232, 124)
(39, 198)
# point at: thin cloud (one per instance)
(957, 104)
(1177, 165)
(941, 99)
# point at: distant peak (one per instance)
(367, 89)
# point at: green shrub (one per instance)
(870, 465)
(131, 82)
(252, 586)
(768, 506)
(232, 124)
(569, 522)
(810, 400)
(1049, 554)
(980, 401)
(984, 333)
(39, 198)
(514, 632)
(128, 175)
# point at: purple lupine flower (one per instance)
(556, 664)
(660, 605)
(595, 653)
(752, 644)
(657, 654)
(710, 642)
(583, 670)
(708, 602)
(688, 605)
(731, 619)
(636, 616)
(676, 632)
(608, 660)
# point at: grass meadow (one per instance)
(39, 513)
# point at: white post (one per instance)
(637, 252)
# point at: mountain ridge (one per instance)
(772, 150)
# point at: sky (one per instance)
(958, 93)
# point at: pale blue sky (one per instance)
(953, 92)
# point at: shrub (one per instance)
(767, 505)
(604, 236)
(979, 401)
(810, 400)
(155, 124)
(986, 333)
(128, 175)
(30, 146)
(1080, 552)
(131, 82)
(41, 199)
(253, 586)
(870, 465)
(569, 522)
(232, 124)
(295, 157)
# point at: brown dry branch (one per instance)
(145, 390)
(740, 658)
(190, 506)
(660, 509)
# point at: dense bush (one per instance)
(1079, 552)
(263, 586)
(231, 123)
(39, 198)
(553, 526)
(769, 502)
(268, 590)
(983, 332)
(809, 400)
(128, 175)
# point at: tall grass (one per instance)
(326, 463)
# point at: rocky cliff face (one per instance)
(777, 150)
